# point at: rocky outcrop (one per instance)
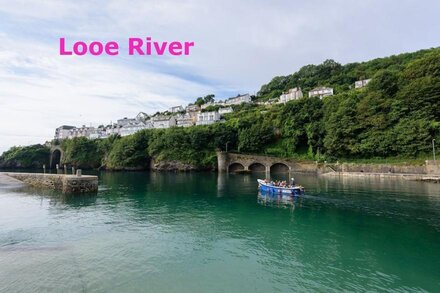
(171, 165)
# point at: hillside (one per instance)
(395, 117)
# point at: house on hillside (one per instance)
(361, 83)
(63, 131)
(125, 121)
(162, 121)
(204, 106)
(142, 116)
(206, 118)
(291, 94)
(321, 92)
(192, 108)
(176, 109)
(83, 131)
(226, 110)
(238, 100)
(134, 127)
(184, 120)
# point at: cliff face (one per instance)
(173, 165)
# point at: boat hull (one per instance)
(294, 191)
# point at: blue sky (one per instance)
(239, 46)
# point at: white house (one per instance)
(192, 108)
(238, 100)
(112, 129)
(226, 110)
(161, 121)
(361, 83)
(204, 106)
(184, 120)
(63, 131)
(176, 109)
(142, 116)
(99, 132)
(206, 118)
(321, 92)
(292, 94)
(125, 121)
(134, 127)
(83, 131)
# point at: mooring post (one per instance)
(44, 169)
(78, 173)
(73, 170)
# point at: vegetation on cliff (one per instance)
(33, 156)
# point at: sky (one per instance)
(239, 45)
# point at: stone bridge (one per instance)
(232, 162)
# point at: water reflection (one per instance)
(208, 232)
(278, 200)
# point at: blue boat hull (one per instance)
(295, 191)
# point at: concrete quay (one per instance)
(67, 184)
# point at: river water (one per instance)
(205, 232)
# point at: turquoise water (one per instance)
(166, 232)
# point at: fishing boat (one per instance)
(295, 190)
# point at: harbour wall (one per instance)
(65, 183)
(232, 162)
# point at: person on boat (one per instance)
(292, 181)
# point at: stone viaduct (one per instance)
(231, 162)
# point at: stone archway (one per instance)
(279, 168)
(55, 157)
(235, 167)
(257, 167)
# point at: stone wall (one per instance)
(63, 183)
(429, 168)
(433, 167)
(379, 168)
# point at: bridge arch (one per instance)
(236, 167)
(257, 167)
(279, 168)
(56, 154)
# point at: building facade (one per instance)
(192, 108)
(238, 100)
(226, 110)
(176, 109)
(134, 127)
(184, 120)
(162, 122)
(321, 92)
(63, 132)
(361, 83)
(291, 94)
(206, 118)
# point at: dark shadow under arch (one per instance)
(236, 167)
(257, 167)
(55, 158)
(279, 168)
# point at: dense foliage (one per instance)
(395, 116)
(33, 156)
(82, 152)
